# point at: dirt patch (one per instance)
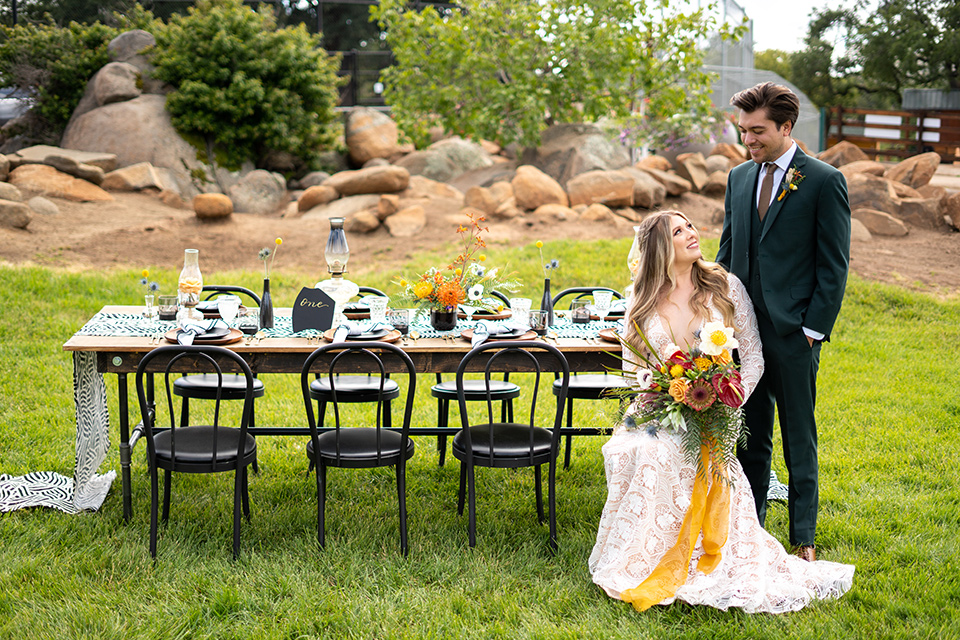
(137, 230)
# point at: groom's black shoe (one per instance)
(806, 552)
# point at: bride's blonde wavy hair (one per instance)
(656, 278)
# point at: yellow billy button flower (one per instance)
(482, 257)
(145, 273)
(539, 245)
(279, 241)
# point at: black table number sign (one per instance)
(312, 310)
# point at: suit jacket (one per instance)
(804, 249)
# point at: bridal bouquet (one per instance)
(695, 392)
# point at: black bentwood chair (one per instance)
(197, 448)
(510, 444)
(358, 447)
(585, 386)
(204, 386)
(502, 391)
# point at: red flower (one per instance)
(729, 388)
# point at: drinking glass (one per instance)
(167, 306)
(249, 321)
(228, 306)
(520, 308)
(602, 301)
(400, 319)
(378, 308)
(580, 310)
(468, 310)
(538, 321)
(149, 310)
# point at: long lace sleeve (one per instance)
(748, 336)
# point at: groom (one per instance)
(786, 235)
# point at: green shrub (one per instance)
(53, 65)
(244, 87)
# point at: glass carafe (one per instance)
(189, 286)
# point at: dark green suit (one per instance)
(794, 264)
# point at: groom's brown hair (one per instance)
(781, 104)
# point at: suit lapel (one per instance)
(748, 202)
(799, 159)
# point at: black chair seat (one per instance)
(203, 386)
(476, 390)
(511, 442)
(591, 386)
(358, 447)
(195, 446)
(354, 388)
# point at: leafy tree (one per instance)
(774, 60)
(506, 70)
(62, 12)
(243, 87)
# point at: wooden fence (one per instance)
(894, 135)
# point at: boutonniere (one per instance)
(790, 182)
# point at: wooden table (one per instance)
(120, 355)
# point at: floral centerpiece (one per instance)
(464, 279)
(696, 393)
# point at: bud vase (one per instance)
(266, 306)
(443, 320)
(547, 303)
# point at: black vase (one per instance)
(266, 306)
(547, 303)
(443, 320)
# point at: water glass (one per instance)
(520, 308)
(538, 321)
(228, 306)
(167, 306)
(378, 308)
(602, 301)
(248, 321)
(400, 319)
(149, 310)
(580, 310)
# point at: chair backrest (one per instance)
(580, 292)
(177, 359)
(214, 289)
(370, 291)
(514, 356)
(345, 357)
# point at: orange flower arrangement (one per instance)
(463, 279)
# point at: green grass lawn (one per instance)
(890, 498)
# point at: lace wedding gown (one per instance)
(649, 487)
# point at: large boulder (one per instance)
(863, 166)
(4, 167)
(486, 176)
(212, 206)
(47, 181)
(430, 164)
(464, 154)
(951, 210)
(674, 184)
(867, 191)
(716, 186)
(648, 192)
(259, 192)
(10, 193)
(130, 44)
(386, 179)
(915, 171)
(567, 150)
(116, 82)
(14, 215)
(342, 207)
(922, 212)
(880, 223)
(136, 177)
(118, 129)
(66, 164)
(40, 154)
(407, 222)
(693, 168)
(315, 196)
(533, 188)
(370, 134)
(843, 153)
(734, 152)
(612, 188)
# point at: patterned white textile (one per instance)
(649, 485)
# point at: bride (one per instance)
(649, 481)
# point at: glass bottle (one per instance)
(189, 285)
(546, 304)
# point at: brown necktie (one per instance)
(765, 188)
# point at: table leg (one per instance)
(124, 446)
